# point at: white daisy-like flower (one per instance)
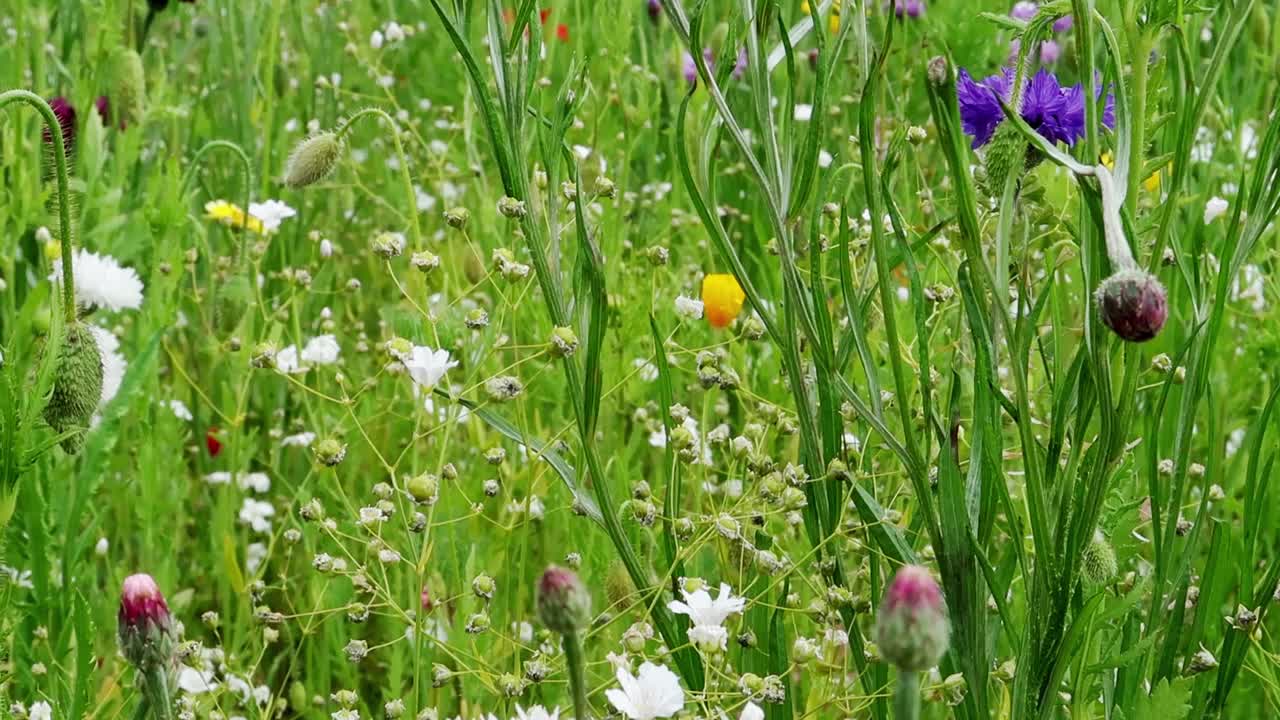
(102, 282)
(113, 363)
(322, 350)
(1214, 209)
(751, 711)
(40, 711)
(654, 693)
(708, 614)
(688, 307)
(302, 439)
(427, 366)
(287, 361)
(258, 482)
(537, 712)
(271, 213)
(648, 371)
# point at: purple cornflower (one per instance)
(1024, 11)
(1056, 112)
(1063, 24)
(655, 10)
(690, 68)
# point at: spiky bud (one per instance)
(1133, 304)
(77, 385)
(145, 626)
(1098, 562)
(1007, 153)
(313, 160)
(564, 604)
(912, 630)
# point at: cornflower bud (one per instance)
(912, 630)
(145, 627)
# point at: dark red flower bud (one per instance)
(212, 443)
(1133, 304)
(564, 605)
(145, 626)
(655, 10)
(911, 627)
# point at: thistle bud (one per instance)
(146, 629)
(912, 629)
(1132, 303)
(564, 605)
(313, 160)
(130, 88)
(77, 385)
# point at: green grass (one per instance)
(919, 374)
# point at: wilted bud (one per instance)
(77, 385)
(511, 208)
(912, 630)
(939, 71)
(606, 187)
(1132, 303)
(564, 605)
(1202, 661)
(484, 586)
(330, 451)
(503, 388)
(263, 355)
(457, 217)
(313, 160)
(425, 261)
(564, 342)
(658, 255)
(145, 626)
(388, 244)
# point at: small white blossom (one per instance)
(102, 282)
(654, 693)
(1214, 209)
(690, 308)
(271, 213)
(427, 366)
(321, 350)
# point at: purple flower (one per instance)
(906, 8)
(740, 67)
(1057, 113)
(1063, 24)
(1024, 11)
(1050, 51)
(655, 10)
(66, 114)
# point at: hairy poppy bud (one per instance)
(77, 385)
(912, 630)
(1098, 562)
(130, 88)
(1132, 303)
(313, 160)
(145, 627)
(564, 605)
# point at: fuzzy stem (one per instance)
(906, 697)
(64, 207)
(404, 165)
(157, 692)
(577, 675)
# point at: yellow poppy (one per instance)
(722, 298)
(232, 215)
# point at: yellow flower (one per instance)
(833, 23)
(230, 214)
(1151, 184)
(722, 298)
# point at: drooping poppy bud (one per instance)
(145, 627)
(77, 385)
(564, 604)
(1098, 562)
(912, 630)
(313, 160)
(66, 114)
(130, 88)
(722, 299)
(1133, 303)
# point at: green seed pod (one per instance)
(313, 160)
(1007, 153)
(77, 385)
(130, 98)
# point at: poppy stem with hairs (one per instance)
(58, 141)
(404, 164)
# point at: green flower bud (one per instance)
(130, 96)
(564, 605)
(424, 488)
(313, 160)
(457, 217)
(1098, 562)
(564, 342)
(77, 385)
(912, 630)
(330, 451)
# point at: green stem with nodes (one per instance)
(404, 165)
(906, 697)
(577, 675)
(64, 207)
(248, 181)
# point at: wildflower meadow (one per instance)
(639, 359)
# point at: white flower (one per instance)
(1214, 209)
(326, 248)
(302, 439)
(427, 366)
(288, 362)
(194, 682)
(322, 350)
(648, 371)
(113, 363)
(375, 40)
(102, 282)
(1250, 285)
(180, 410)
(803, 112)
(689, 308)
(220, 477)
(752, 711)
(824, 161)
(271, 213)
(654, 693)
(345, 715)
(537, 712)
(257, 514)
(395, 33)
(259, 482)
(40, 711)
(254, 555)
(370, 516)
(101, 547)
(708, 614)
